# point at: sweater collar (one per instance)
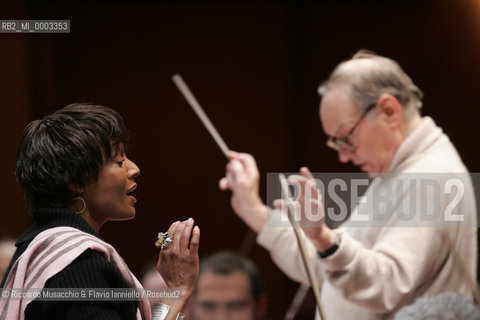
(47, 218)
(418, 142)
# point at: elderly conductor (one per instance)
(370, 111)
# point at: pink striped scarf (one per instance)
(49, 253)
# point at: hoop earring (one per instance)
(84, 205)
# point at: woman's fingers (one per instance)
(185, 235)
(171, 231)
(195, 242)
(178, 265)
(177, 237)
(172, 228)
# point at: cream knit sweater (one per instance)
(379, 268)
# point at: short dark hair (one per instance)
(227, 262)
(67, 149)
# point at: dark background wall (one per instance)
(255, 69)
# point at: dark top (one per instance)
(89, 270)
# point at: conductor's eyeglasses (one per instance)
(345, 143)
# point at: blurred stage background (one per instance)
(254, 67)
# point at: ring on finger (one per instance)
(164, 241)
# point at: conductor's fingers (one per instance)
(297, 179)
(248, 162)
(280, 204)
(283, 205)
(306, 172)
(235, 171)
(232, 154)
(223, 183)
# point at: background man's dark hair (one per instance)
(226, 262)
(66, 150)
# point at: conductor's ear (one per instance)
(391, 110)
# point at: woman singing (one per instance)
(76, 176)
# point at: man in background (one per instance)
(228, 288)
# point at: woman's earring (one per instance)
(84, 205)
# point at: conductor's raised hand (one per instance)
(179, 264)
(308, 203)
(309, 208)
(242, 178)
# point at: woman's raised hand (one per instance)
(179, 263)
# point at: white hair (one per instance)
(367, 76)
(445, 306)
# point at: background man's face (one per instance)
(227, 297)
